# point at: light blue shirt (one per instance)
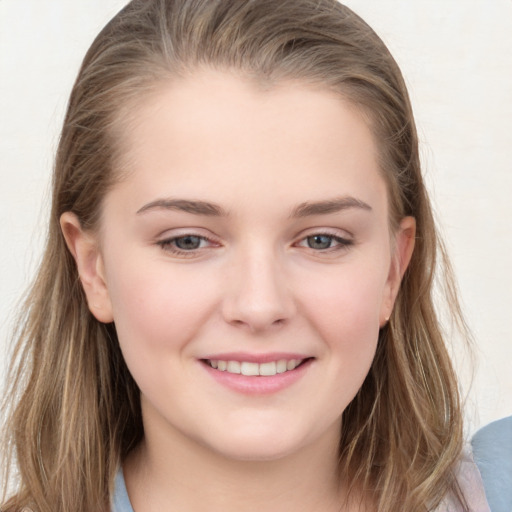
(492, 449)
(121, 501)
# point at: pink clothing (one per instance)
(472, 487)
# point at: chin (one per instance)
(254, 451)
(267, 444)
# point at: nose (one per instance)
(257, 295)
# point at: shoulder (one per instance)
(492, 449)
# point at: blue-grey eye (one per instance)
(319, 241)
(188, 242)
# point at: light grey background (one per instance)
(456, 56)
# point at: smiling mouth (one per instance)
(251, 369)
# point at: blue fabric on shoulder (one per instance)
(492, 451)
(120, 500)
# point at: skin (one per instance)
(259, 282)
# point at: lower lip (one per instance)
(258, 385)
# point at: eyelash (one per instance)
(341, 243)
(169, 244)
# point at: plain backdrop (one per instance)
(456, 56)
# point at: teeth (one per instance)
(233, 367)
(249, 369)
(281, 366)
(291, 365)
(256, 369)
(268, 369)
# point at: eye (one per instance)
(324, 242)
(319, 241)
(186, 245)
(188, 242)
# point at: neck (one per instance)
(173, 472)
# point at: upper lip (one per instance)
(255, 358)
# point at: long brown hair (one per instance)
(73, 408)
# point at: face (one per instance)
(247, 262)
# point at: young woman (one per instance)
(234, 309)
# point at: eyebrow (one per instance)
(328, 206)
(185, 205)
(213, 210)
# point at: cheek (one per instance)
(344, 310)
(345, 303)
(156, 309)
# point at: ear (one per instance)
(84, 247)
(403, 248)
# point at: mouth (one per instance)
(254, 369)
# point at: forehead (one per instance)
(219, 131)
